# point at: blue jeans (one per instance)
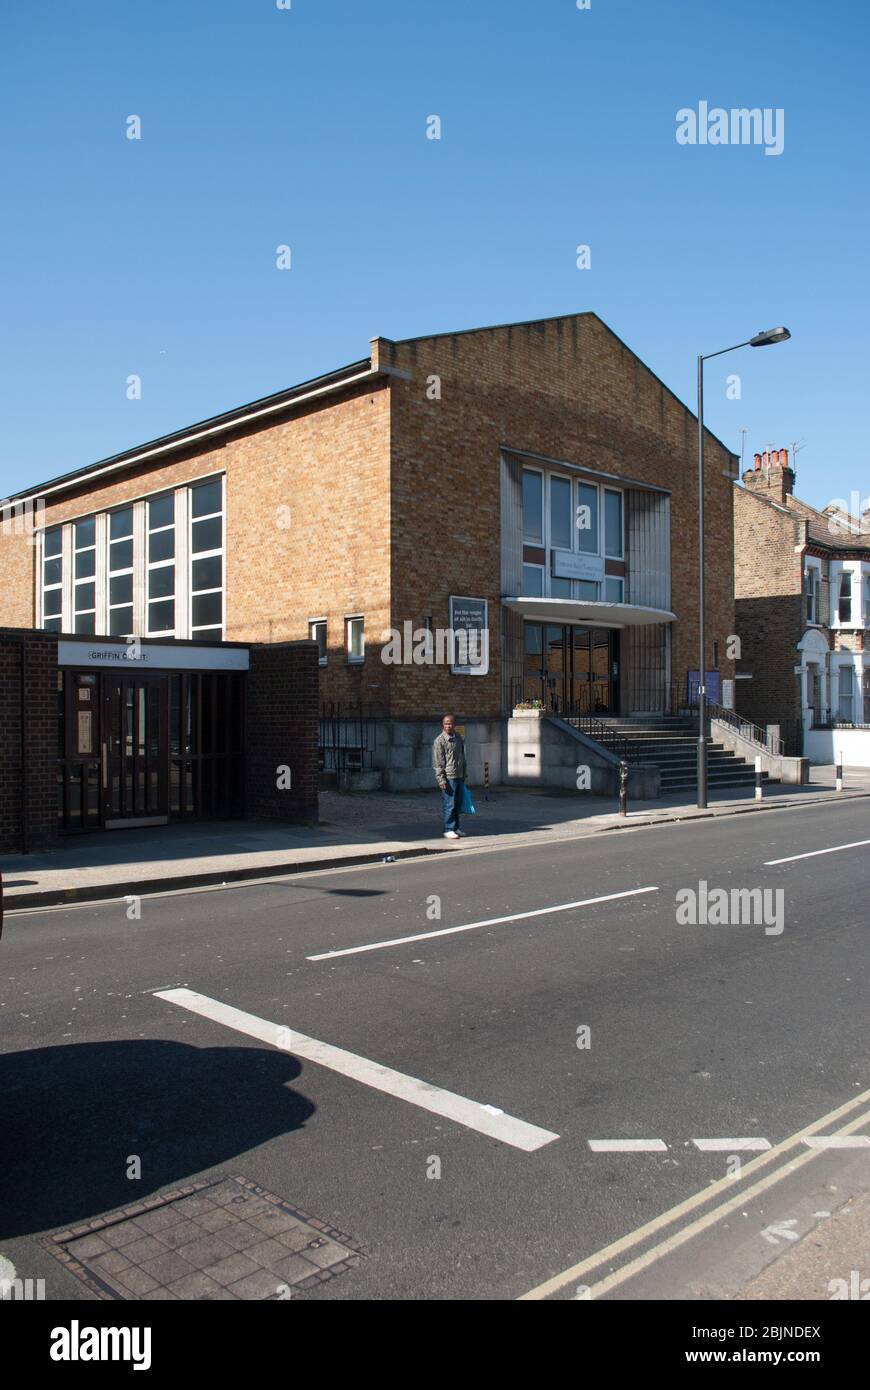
(451, 801)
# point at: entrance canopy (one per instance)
(569, 610)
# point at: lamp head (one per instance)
(770, 335)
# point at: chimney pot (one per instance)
(758, 460)
(765, 459)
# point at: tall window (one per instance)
(866, 588)
(866, 684)
(52, 580)
(120, 571)
(206, 560)
(533, 507)
(613, 544)
(587, 518)
(84, 575)
(161, 566)
(844, 607)
(560, 513)
(356, 648)
(845, 693)
(317, 633)
(811, 593)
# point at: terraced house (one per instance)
(532, 486)
(802, 585)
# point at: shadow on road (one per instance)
(71, 1117)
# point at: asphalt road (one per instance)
(710, 1032)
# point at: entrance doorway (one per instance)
(134, 750)
(572, 670)
(138, 748)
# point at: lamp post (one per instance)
(766, 339)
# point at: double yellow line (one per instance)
(700, 1199)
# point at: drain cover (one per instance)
(226, 1239)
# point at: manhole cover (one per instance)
(228, 1239)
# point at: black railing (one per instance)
(347, 737)
(608, 735)
(755, 733)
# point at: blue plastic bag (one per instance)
(467, 807)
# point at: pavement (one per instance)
(356, 828)
(517, 1073)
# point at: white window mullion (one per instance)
(101, 616)
(182, 563)
(140, 568)
(68, 624)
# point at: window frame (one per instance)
(315, 623)
(77, 550)
(813, 566)
(615, 492)
(207, 628)
(349, 619)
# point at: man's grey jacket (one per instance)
(448, 758)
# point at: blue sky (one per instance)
(307, 127)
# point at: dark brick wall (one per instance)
(37, 799)
(282, 729)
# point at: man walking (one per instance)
(448, 761)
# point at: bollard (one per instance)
(759, 785)
(486, 781)
(839, 771)
(623, 789)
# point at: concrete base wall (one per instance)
(821, 746)
(524, 751)
(403, 752)
(794, 771)
(544, 751)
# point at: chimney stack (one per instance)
(771, 475)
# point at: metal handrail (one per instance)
(771, 743)
(602, 733)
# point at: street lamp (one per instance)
(765, 339)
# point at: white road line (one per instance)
(472, 926)
(486, 1119)
(628, 1146)
(837, 1141)
(835, 849)
(718, 1146)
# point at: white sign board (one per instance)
(156, 656)
(570, 564)
(469, 625)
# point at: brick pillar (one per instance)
(28, 803)
(282, 731)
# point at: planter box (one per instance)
(528, 713)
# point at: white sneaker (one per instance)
(451, 835)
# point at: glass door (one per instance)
(135, 750)
(594, 670)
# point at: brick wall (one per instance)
(282, 730)
(566, 388)
(36, 800)
(768, 571)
